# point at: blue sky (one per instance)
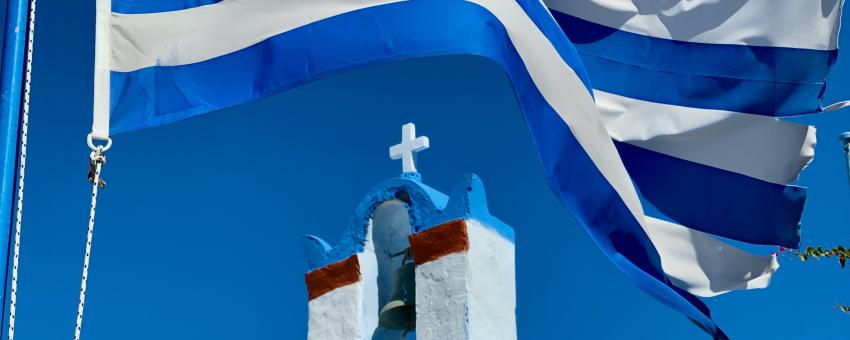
(197, 233)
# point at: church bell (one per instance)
(400, 312)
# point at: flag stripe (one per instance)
(726, 94)
(579, 157)
(761, 80)
(761, 147)
(156, 6)
(756, 63)
(197, 34)
(705, 266)
(794, 24)
(714, 93)
(715, 201)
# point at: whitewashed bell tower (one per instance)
(415, 264)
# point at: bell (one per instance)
(400, 312)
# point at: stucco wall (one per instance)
(491, 284)
(441, 298)
(334, 315)
(468, 294)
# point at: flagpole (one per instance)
(11, 85)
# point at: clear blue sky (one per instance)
(197, 233)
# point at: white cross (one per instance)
(409, 146)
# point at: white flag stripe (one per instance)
(705, 266)
(788, 23)
(761, 147)
(197, 34)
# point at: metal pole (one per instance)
(11, 85)
(844, 138)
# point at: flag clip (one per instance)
(97, 159)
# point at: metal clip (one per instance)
(96, 157)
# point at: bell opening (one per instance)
(396, 272)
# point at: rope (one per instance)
(22, 171)
(97, 159)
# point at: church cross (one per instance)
(409, 146)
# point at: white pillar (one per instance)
(336, 301)
(465, 283)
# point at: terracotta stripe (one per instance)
(444, 239)
(332, 276)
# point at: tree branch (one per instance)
(839, 253)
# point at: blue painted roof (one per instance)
(427, 208)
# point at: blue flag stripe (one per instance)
(156, 6)
(750, 23)
(757, 63)
(716, 201)
(157, 95)
(717, 93)
(770, 81)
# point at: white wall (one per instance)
(469, 296)
(330, 315)
(441, 298)
(491, 284)
(369, 276)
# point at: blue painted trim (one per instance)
(427, 208)
(156, 6)
(771, 81)
(401, 31)
(716, 201)
(11, 85)
(468, 200)
(422, 201)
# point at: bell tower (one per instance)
(414, 264)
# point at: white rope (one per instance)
(13, 300)
(96, 163)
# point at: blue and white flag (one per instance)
(160, 62)
(691, 92)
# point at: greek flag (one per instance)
(689, 92)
